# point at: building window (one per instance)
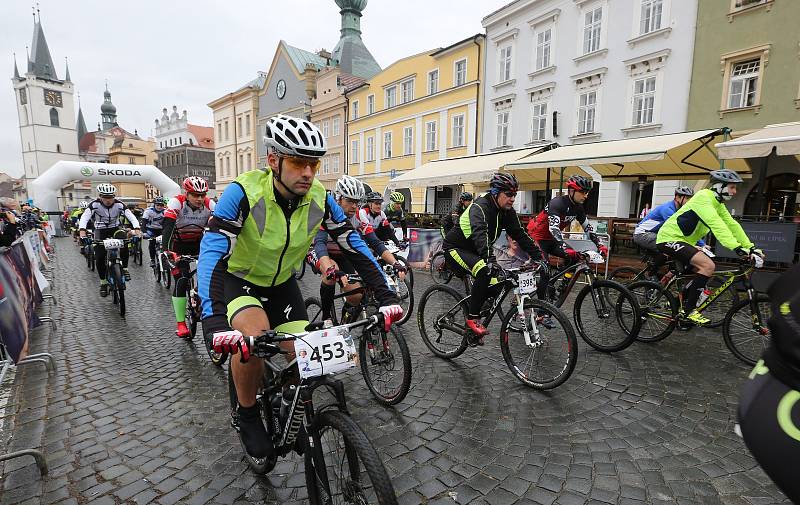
(247, 124)
(644, 98)
(335, 163)
(54, 117)
(430, 136)
(587, 109)
(325, 128)
(543, 41)
(539, 121)
(370, 154)
(241, 130)
(219, 132)
(336, 126)
(502, 129)
(354, 149)
(591, 30)
(227, 166)
(390, 98)
(326, 165)
(249, 161)
(743, 4)
(240, 168)
(651, 16)
(58, 148)
(460, 74)
(180, 141)
(743, 87)
(387, 145)
(433, 82)
(505, 64)
(131, 160)
(407, 91)
(227, 133)
(371, 104)
(191, 142)
(458, 131)
(355, 109)
(408, 140)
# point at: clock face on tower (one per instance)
(280, 89)
(53, 98)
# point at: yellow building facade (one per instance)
(421, 108)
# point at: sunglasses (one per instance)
(510, 194)
(298, 163)
(350, 200)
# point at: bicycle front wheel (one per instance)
(607, 316)
(659, 310)
(442, 321)
(191, 317)
(405, 291)
(118, 287)
(745, 328)
(439, 271)
(343, 466)
(166, 276)
(385, 364)
(539, 345)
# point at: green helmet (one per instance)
(397, 197)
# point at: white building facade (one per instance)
(577, 71)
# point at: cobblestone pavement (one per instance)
(134, 416)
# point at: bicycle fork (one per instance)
(526, 332)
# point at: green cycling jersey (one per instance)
(702, 214)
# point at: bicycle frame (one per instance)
(578, 268)
(730, 277)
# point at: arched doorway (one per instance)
(780, 197)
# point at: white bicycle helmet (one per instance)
(350, 187)
(84, 204)
(294, 136)
(106, 189)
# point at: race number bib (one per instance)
(325, 352)
(527, 282)
(113, 243)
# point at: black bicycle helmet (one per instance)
(579, 183)
(374, 197)
(684, 191)
(503, 182)
(466, 196)
(726, 176)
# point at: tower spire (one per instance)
(40, 63)
(16, 70)
(66, 73)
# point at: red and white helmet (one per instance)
(195, 184)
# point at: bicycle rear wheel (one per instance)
(745, 328)
(609, 320)
(549, 359)
(623, 275)
(409, 271)
(343, 466)
(385, 364)
(659, 310)
(314, 310)
(442, 321)
(438, 268)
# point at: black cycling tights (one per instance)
(769, 416)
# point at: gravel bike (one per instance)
(341, 465)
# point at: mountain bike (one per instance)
(114, 275)
(135, 247)
(537, 340)
(341, 465)
(384, 357)
(163, 264)
(626, 275)
(605, 312)
(88, 250)
(156, 266)
(744, 327)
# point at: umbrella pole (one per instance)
(547, 186)
(561, 182)
(762, 180)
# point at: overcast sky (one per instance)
(156, 53)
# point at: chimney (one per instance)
(310, 75)
(326, 55)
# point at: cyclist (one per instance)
(372, 215)
(768, 411)
(395, 213)
(468, 246)
(349, 192)
(546, 229)
(105, 213)
(646, 231)
(153, 224)
(75, 217)
(450, 220)
(261, 230)
(184, 221)
(705, 213)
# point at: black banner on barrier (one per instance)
(19, 296)
(777, 240)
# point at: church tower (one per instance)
(45, 110)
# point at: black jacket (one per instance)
(480, 225)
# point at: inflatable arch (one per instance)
(45, 188)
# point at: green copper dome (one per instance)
(350, 52)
